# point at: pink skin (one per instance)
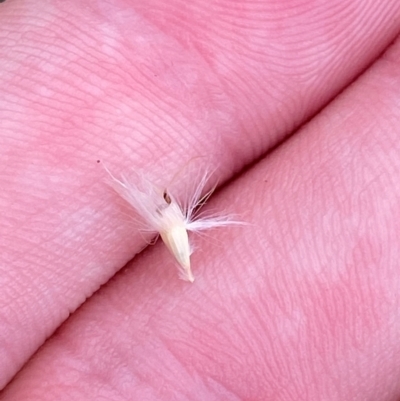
(303, 303)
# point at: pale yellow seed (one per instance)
(176, 239)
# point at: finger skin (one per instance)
(301, 304)
(108, 82)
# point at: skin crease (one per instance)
(305, 303)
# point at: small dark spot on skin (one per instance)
(98, 161)
(166, 197)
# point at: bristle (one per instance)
(145, 198)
